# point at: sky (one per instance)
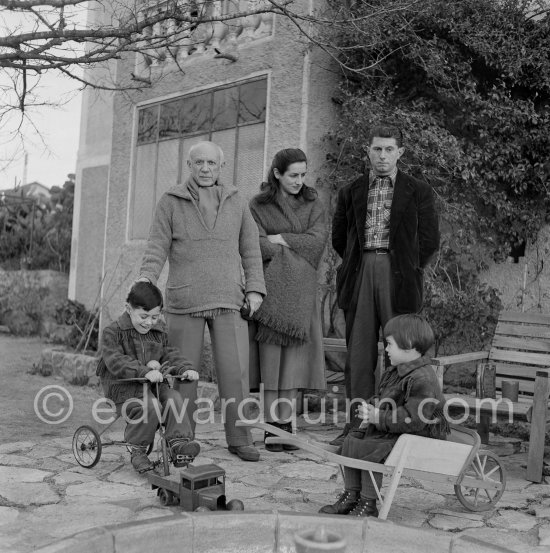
(52, 147)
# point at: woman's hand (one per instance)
(254, 300)
(277, 239)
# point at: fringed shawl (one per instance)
(290, 273)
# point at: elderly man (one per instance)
(205, 230)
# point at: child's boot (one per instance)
(344, 504)
(273, 447)
(364, 508)
(139, 459)
(183, 451)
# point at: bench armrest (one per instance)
(460, 358)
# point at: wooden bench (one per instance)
(519, 351)
(338, 345)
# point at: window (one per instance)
(232, 116)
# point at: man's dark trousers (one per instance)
(370, 309)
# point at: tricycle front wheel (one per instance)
(86, 446)
(485, 467)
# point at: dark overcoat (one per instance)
(414, 237)
(409, 396)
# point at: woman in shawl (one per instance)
(291, 221)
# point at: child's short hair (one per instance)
(410, 331)
(144, 295)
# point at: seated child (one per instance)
(398, 409)
(136, 345)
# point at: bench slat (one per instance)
(522, 344)
(460, 403)
(528, 331)
(520, 357)
(520, 317)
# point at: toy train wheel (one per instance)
(167, 498)
(86, 446)
(485, 466)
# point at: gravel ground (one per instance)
(21, 391)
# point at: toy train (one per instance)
(195, 488)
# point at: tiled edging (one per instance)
(258, 532)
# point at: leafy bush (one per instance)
(39, 236)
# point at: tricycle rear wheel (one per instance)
(87, 446)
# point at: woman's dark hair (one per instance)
(410, 331)
(282, 161)
(144, 295)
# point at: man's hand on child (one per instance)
(189, 374)
(154, 375)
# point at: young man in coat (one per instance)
(385, 229)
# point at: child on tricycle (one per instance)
(135, 346)
(410, 401)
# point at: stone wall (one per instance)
(28, 300)
(524, 285)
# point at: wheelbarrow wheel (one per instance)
(485, 466)
(87, 446)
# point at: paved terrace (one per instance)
(46, 496)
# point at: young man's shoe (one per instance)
(139, 459)
(183, 451)
(344, 504)
(364, 508)
(245, 452)
(275, 448)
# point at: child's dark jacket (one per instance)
(413, 396)
(125, 354)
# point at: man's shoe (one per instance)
(364, 508)
(344, 504)
(275, 448)
(139, 459)
(245, 452)
(183, 451)
(287, 427)
(339, 440)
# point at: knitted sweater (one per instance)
(125, 354)
(205, 265)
